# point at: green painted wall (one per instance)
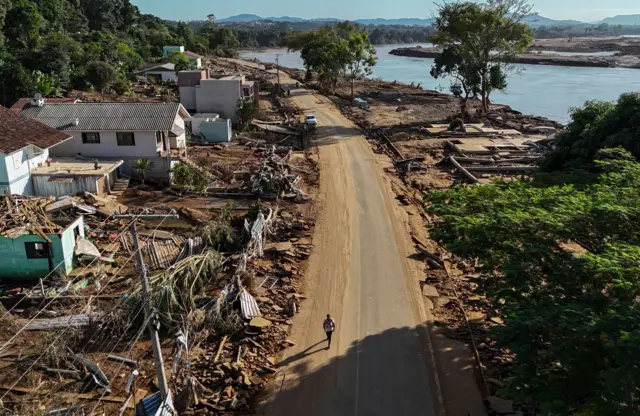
(15, 264)
(216, 131)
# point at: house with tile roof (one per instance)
(117, 130)
(24, 144)
(194, 58)
(28, 167)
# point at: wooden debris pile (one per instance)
(483, 157)
(231, 369)
(26, 215)
(274, 177)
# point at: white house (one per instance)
(164, 72)
(166, 50)
(24, 144)
(27, 166)
(119, 130)
(194, 59)
(219, 94)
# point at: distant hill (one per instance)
(395, 22)
(627, 20)
(532, 20)
(252, 17)
(241, 18)
(535, 20)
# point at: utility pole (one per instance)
(148, 310)
(278, 68)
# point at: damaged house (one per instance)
(120, 130)
(31, 244)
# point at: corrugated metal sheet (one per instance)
(248, 305)
(161, 253)
(153, 406)
(44, 187)
(106, 116)
(190, 247)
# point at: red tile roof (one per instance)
(20, 131)
(195, 55)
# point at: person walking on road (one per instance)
(329, 326)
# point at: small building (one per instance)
(210, 127)
(159, 73)
(69, 176)
(32, 248)
(166, 50)
(123, 131)
(194, 59)
(24, 145)
(204, 93)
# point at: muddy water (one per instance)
(548, 91)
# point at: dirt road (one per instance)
(379, 362)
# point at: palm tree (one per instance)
(143, 166)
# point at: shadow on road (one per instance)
(302, 354)
(384, 374)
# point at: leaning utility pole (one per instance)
(278, 68)
(148, 310)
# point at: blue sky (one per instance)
(586, 10)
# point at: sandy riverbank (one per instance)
(535, 58)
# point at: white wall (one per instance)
(218, 96)
(15, 169)
(108, 146)
(188, 97)
(169, 76)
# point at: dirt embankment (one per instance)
(617, 45)
(526, 58)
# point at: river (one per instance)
(542, 90)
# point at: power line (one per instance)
(66, 329)
(54, 298)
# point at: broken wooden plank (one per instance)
(224, 339)
(255, 343)
(73, 396)
(61, 371)
(501, 168)
(122, 360)
(463, 170)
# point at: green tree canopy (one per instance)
(101, 75)
(481, 38)
(595, 126)
(180, 60)
(361, 56)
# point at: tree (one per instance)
(21, 26)
(180, 60)
(467, 80)
(296, 41)
(246, 111)
(143, 166)
(45, 84)
(101, 75)
(595, 126)
(561, 263)
(328, 55)
(485, 37)
(361, 57)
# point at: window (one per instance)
(158, 138)
(125, 139)
(91, 138)
(37, 250)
